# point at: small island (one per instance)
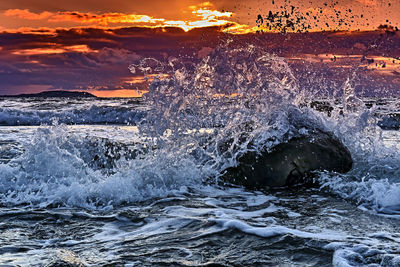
(45, 94)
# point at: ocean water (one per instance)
(136, 182)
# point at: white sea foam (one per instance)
(361, 255)
(52, 171)
(271, 231)
(245, 98)
(81, 115)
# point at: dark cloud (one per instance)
(99, 58)
(171, 9)
(56, 60)
(364, 14)
(68, 70)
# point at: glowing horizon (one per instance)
(86, 48)
(333, 17)
(203, 16)
(118, 93)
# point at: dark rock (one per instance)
(291, 162)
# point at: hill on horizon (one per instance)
(55, 94)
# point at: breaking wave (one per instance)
(194, 125)
(83, 115)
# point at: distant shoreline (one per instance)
(45, 94)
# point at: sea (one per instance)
(137, 181)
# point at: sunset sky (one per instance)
(89, 44)
(364, 14)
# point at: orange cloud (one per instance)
(103, 19)
(26, 14)
(143, 79)
(29, 30)
(205, 10)
(203, 15)
(54, 50)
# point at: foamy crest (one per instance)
(55, 170)
(199, 119)
(82, 115)
(374, 180)
(246, 98)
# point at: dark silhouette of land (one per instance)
(71, 94)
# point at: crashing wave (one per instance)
(189, 117)
(92, 115)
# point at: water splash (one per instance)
(200, 119)
(245, 97)
(374, 181)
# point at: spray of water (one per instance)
(200, 119)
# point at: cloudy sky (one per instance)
(14, 14)
(89, 44)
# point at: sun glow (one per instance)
(208, 17)
(118, 93)
(203, 15)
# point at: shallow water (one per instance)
(231, 227)
(197, 224)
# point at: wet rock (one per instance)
(291, 162)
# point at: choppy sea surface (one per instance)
(135, 182)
